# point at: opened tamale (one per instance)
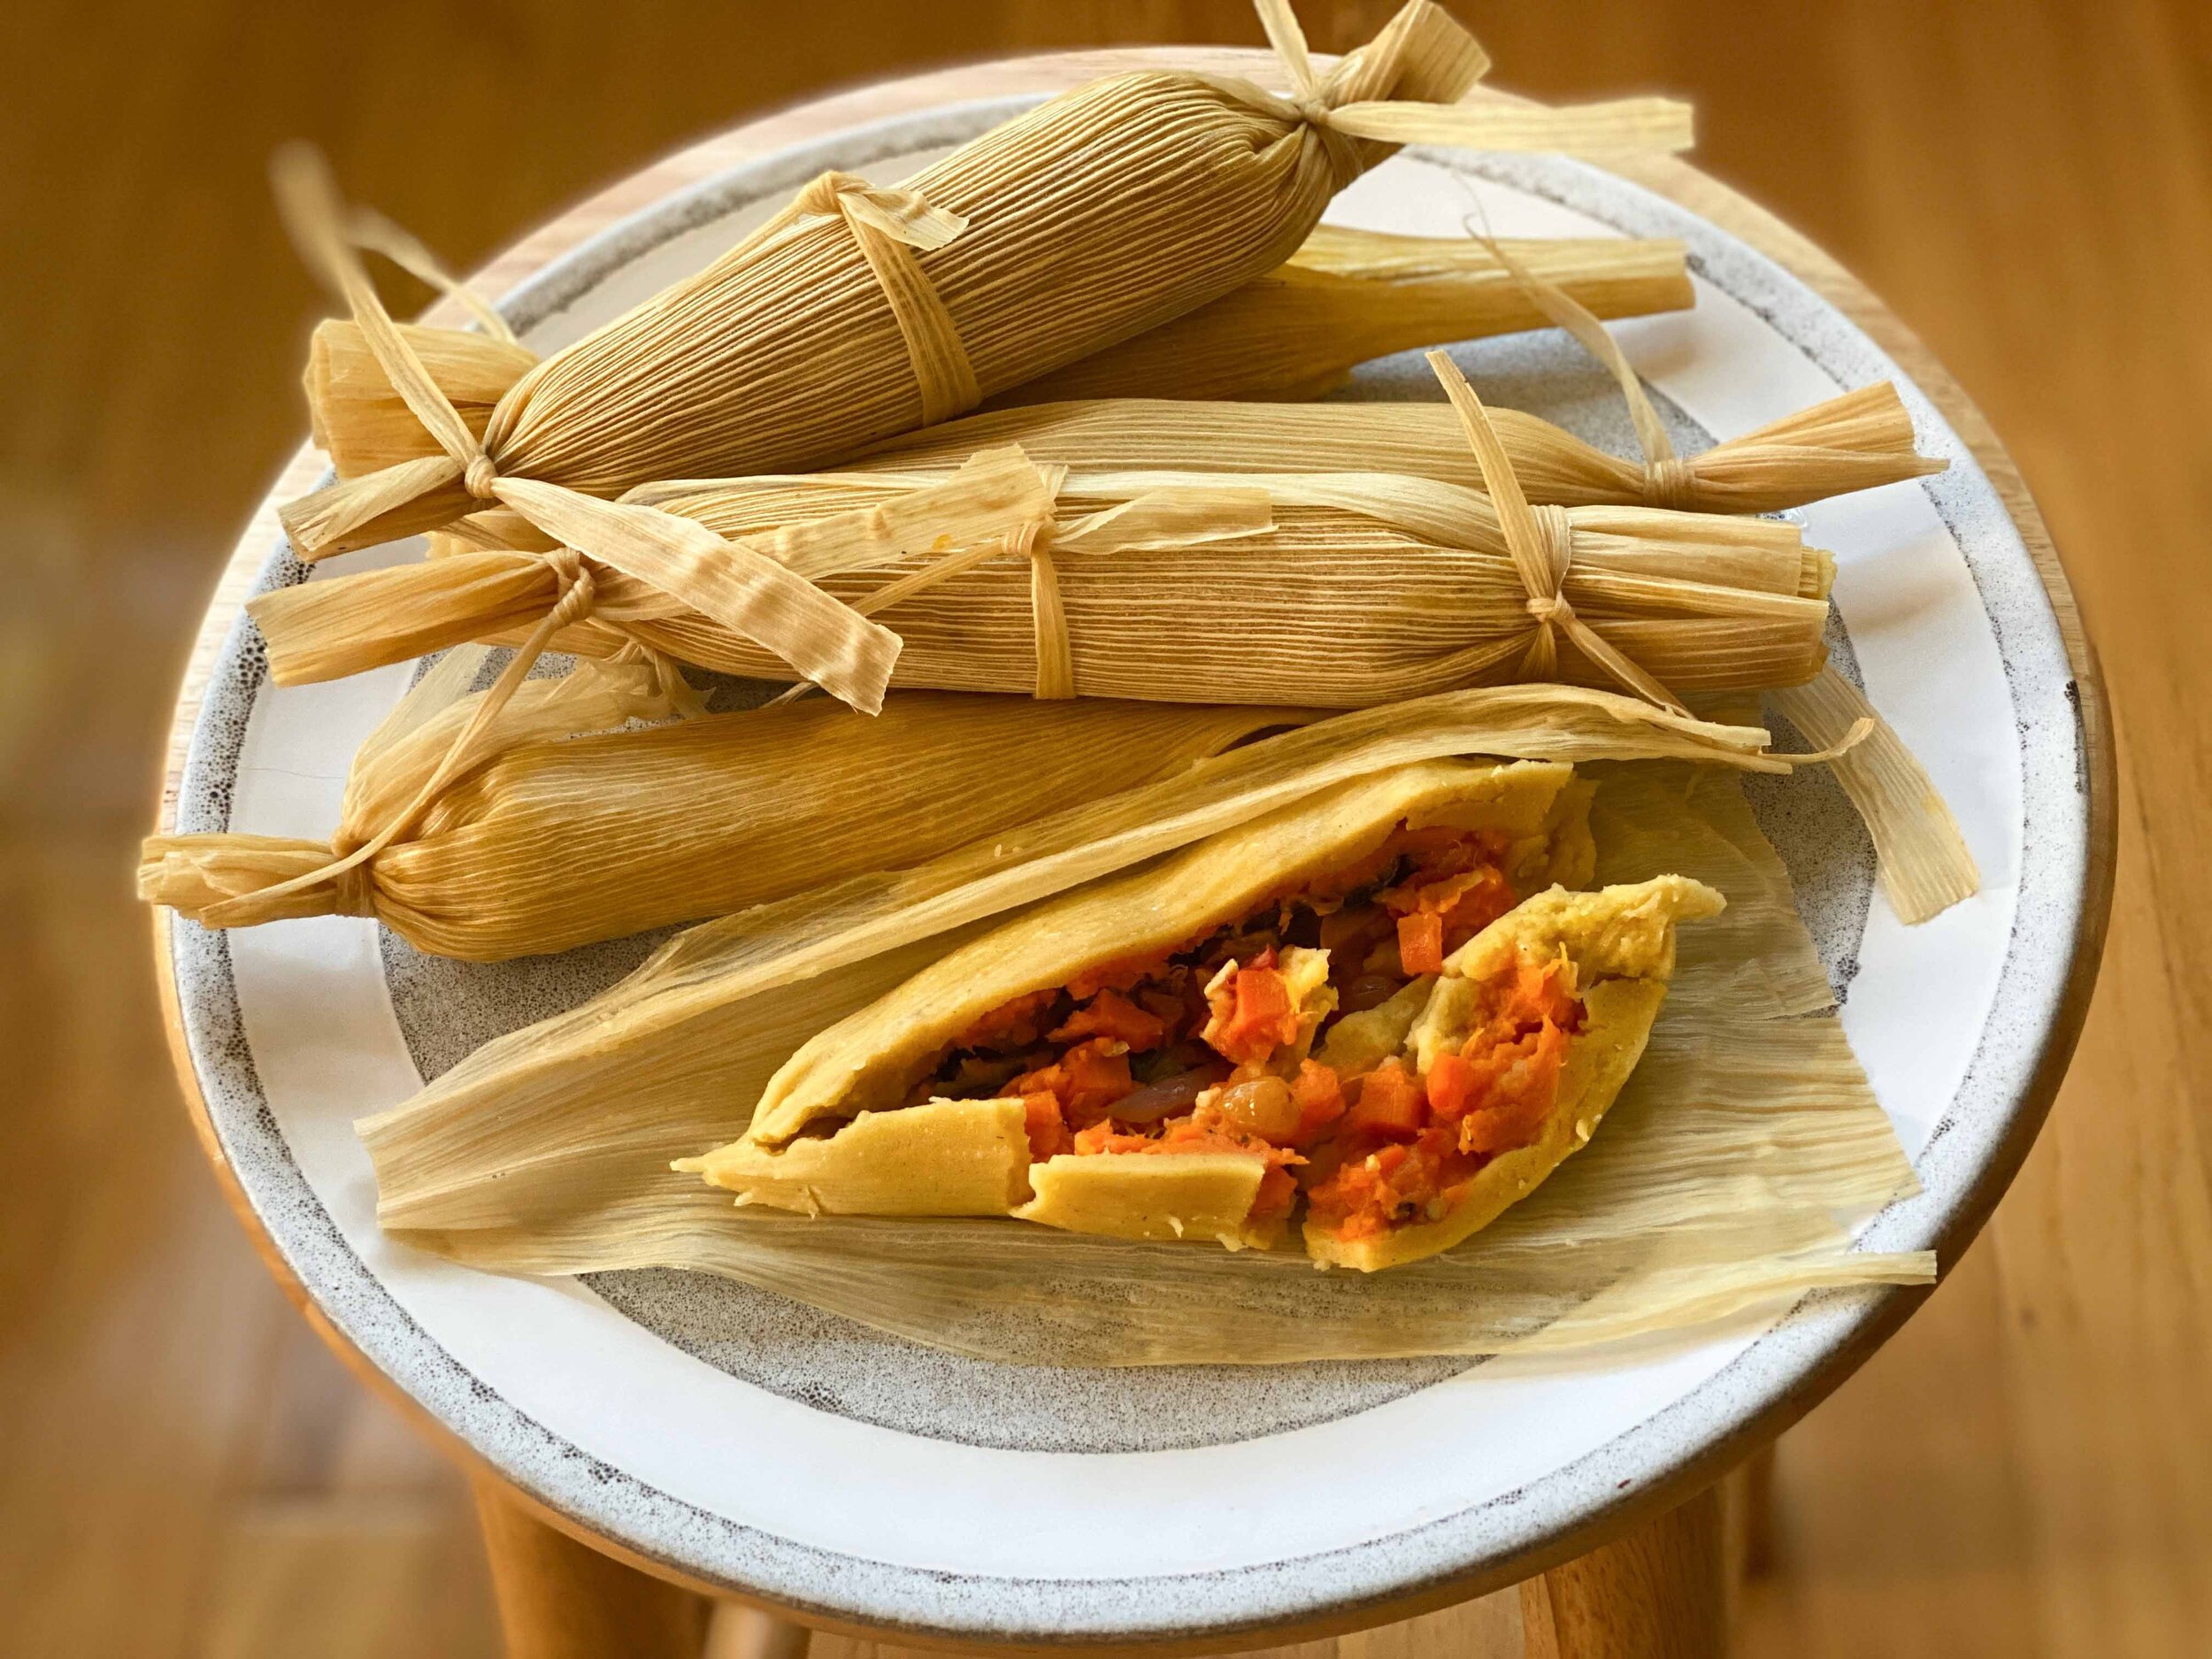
(860, 310)
(552, 839)
(1295, 332)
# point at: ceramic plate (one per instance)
(782, 1452)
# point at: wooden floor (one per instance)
(2026, 1470)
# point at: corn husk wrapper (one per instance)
(1296, 332)
(1327, 590)
(1925, 862)
(548, 841)
(1714, 1185)
(1855, 442)
(1348, 296)
(863, 310)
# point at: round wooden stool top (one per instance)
(2054, 885)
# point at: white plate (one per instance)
(748, 1443)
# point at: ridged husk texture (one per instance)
(551, 840)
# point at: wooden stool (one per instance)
(1656, 1580)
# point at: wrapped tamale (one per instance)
(1359, 588)
(1324, 590)
(862, 310)
(1296, 332)
(1858, 440)
(1346, 1002)
(549, 840)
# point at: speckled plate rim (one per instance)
(1500, 1538)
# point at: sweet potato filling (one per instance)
(1407, 1147)
(1209, 1047)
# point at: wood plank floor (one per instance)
(2024, 1471)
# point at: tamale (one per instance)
(1295, 332)
(550, 840)
(1858, 440)
(1327, 590)
(860, 310)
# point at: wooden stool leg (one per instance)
(561, 1600)
(1661, 1592)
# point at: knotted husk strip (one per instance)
(1361, 588)
(1925, 862)
(1855, 442)
(1715, 1185)
(552, 839)
(1349, 295)
(1295, 332)
(1105, 212)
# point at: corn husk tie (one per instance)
(740, 587)
(1541, 541)
(891, 226)
(1155, 520)
(1922, 856)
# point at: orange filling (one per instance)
(1409, 1145)
(1200, 1048)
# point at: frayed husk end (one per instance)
(219, 879)
(358, 418)
(1858, 440)
(401, 500)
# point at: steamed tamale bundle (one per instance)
(549, 839)
(861, 311)
(1713, 1182)
(1350, 588)
(1343, 297)
(1858, 440)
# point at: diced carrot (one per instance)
(1252, 1014)
(1111, 1014)
(1087, 1080)
(1390, 1104)
(1421, 942)
(1014, 1023)
(1047, 1131)
(1320, 1098)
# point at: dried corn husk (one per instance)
(860, 310)
(1343, 297)
(1715, 1186)
(548, 841)
(1924, 859)
(1855, 442)
(1331, 590)
(1351, 295)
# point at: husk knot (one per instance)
(1668, 482)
